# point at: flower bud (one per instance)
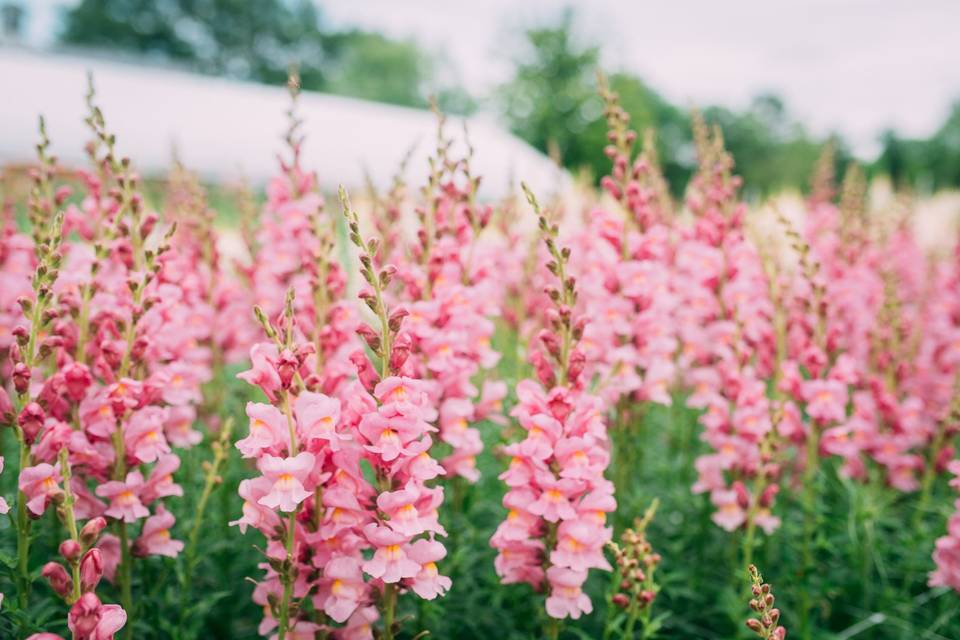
(91, 531)
(21, 377)
(91, 570)
(70, 549)
(31, 421)
(58, 578)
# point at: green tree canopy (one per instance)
(258, 41)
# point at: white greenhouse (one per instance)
(225, 130)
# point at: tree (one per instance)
(258, 41)
(552, 98)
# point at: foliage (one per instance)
(259, 41)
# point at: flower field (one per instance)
(418, 413)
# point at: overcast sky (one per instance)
(856, 66)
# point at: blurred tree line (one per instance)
(257, 41)
(552, 103)
(926, 164)
(551, 100)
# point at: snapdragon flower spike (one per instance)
(766, 624)
(42, 402)
(294, 248)
(118, 370)
(451, 295)
(393, 415)
(557, 499)
(728, 343)
(635, 563)
(623, 264)
(283, 440)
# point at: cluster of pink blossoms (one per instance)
(452, 293)
(555, 530)
(623, 264)
(293, 248)
(106, 364)
(725, 326)
(900, 340)
(328, 524)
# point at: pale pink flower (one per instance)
(346, 589)
(428, 583)
(390, 562)
(91, 620)
(268, 430)
(124, 498)
(40, 484)
(318, 417)
(566, 594)
(155, 536)
(288, 476)
(826, 400)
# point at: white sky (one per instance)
(856, 66)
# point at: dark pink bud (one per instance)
(550, 342)
(58, 578)
(544, 371)
(149, 222)
(743, 496)
(577, 362)
(62, 194)
(396, 318)
(78, 379)
(622, 600)
(31, 421)
(91, 570)
(21, 377)
(769, 495)
(400, 351)
(611, 187)
(91, 531)
(369, 335)
(287, 366)
(70, 550)
(368, 376)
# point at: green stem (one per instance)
(23, 530)
(809, 530)
(288, 578)
(70, 520)
(389, 610)
(124, 577)
(553, 628)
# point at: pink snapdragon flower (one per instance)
(155, 536)
(288, 476)
(124, 496)
(89, 619)
(40, 484)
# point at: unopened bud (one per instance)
(91, 570)
(58, 578)
(70, 549)
(91, 531)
